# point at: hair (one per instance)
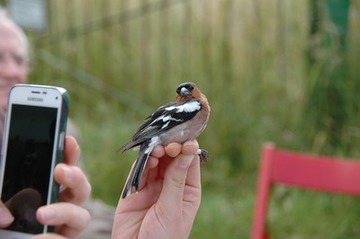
(4, 16)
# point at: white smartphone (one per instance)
(33, 143)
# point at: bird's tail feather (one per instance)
(137, 170)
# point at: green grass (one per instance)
(250, 58)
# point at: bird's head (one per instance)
(188, 91)
(185, 89)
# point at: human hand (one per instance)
(67, 215)
(169, 196)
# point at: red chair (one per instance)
(329, 174)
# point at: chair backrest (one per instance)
(330, 174)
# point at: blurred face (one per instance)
(13, 60)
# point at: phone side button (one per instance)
(61, 141)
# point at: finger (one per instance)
(173, 149)
(152, 162)
(5, 216)
(164, 163)
(153, 174)
(69, 218)
(193, 177)
(175, 176)
(72, 151)
(192, 190)
(158, 151)
(72, 178)
(189, 147)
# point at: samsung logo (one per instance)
(37, 99)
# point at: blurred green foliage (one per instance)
(120, 60)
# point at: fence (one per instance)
(170, 40)
(160, 28)
(123, 53)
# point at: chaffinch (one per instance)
(177, 121)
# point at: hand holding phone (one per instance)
(33, 143)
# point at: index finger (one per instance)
(72, 151)
(76, 185)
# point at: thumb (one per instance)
(5, 216)
(174, 181)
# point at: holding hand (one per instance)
(169, 196)
(68, 216)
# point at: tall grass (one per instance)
(249, 57)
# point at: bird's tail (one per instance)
(134, 178)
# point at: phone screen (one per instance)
(28, 164)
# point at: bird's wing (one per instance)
(163, 119)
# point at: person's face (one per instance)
(13, 60)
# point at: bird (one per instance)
(178, 121)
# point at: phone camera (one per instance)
(56, 98)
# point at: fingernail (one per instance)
(184, 161)
(5, 217)
(188, 143)
(47, 214)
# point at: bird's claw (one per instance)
(203, 154)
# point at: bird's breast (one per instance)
(186, 131)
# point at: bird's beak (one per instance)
(184, 91)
